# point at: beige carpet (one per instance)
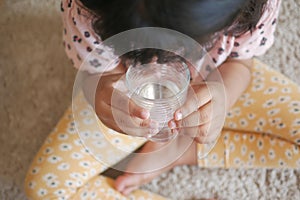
(35, 88)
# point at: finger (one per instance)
(199, 117)
(201, 134)
(130, 125)
(196, 97)
(123, 102)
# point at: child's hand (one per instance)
(121, 115)
(203, 114)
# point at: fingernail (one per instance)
(178, 116)
(145, 114)
(172, 124)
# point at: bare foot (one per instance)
(153, 165)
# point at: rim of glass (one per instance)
(129, 86)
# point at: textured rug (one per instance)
(36, 82)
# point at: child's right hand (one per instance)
(121, 114)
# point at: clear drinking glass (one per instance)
(161, 89)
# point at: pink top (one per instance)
(80, 39)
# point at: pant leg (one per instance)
(68, 164)
(263, 127)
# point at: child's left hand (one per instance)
(202, 116)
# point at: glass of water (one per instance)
(161, 89)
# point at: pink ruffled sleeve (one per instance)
(258, 41)
(82, 44)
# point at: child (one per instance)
(261, 127)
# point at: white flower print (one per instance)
(65, 147)
(284, 99)
(294, 104)
(49, 177)
(40, 160)
(88, 121)
(70, 183)
(288, 154)
(42, 192)
(294, 132)
(260, 144)
(85, 112)
(244, 96)
(298, 162)
(85, 151)
(283, 82)
(248, 102)
(97, 135)
(35, 170)
(63, 166)
(286, 90)
(243, 122)
(257, 73)
(269, 103)
(296, 122)
(275, 121)
(271, 154)
(71, 130)
(270, 90)
(275, 79)
(214, 156)
(237, 137)
(54, 159)
(232, 125)
(85, 134)
(116, 141)
(258, 80)
(230, 115)
(76, 156)
(258, 87)
(93, 171)
(60, 192)
(251, 116)
(84, 195)
(251, 155)
(244, 150)
(273, 111)
(53, 184)
(281, 163)
(98, 183)
(31, 184)
(79, 183)
(295, 110)
(75, 175)
(280, 125)
(62, 136)
(252, 138)
(261, 122)
(294, 107)
(231, 147)
(237, 161)
(48, 151)
(99, 144)
(77, 142)
(258, 129)
(85, 164)
(262, 159)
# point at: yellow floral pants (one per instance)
(261, 130)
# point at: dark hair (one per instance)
(202, 20)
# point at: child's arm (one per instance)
(203, 117)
